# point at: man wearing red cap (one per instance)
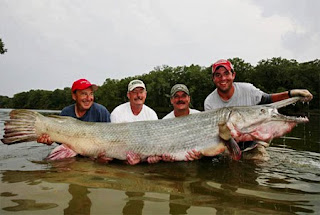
(229, 93)
(84, 109)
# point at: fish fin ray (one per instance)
(61, 152)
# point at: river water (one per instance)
(289, 183)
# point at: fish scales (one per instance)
(173, 136)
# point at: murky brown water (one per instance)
(287, 184)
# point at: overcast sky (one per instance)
(51, 43)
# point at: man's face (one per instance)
(180, 101)
(137, 96)
(84, 98)
(223, 79)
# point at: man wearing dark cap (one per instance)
(84, 109)
(180, 100)
(229, 93)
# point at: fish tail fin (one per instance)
(20, 127)
(231, 144)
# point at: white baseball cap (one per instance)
(134, 84)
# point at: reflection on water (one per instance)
(287, 184)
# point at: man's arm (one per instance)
(269, 98)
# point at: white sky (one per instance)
(51, 43)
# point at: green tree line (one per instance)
(271, 76)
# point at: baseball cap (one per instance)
(82, 84)
(225, 63)
(135, 83)
(179, 87)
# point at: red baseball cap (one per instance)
(82, 84)
(225, 63)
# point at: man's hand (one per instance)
(102, 158)
(133, 158)
(44, 138)
(168, 158)
(193, 155)
(307, 96)
(154, 159)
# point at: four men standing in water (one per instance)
(227, 93)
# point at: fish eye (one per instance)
(263, 111)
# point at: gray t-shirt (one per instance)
(245, 94)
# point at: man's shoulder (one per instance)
(152, 115)
(169, 115)
(211, 96)
(194, 111)
(147, 108)
(244, 85)
(99, 106)
(121, 107)
(68, 111)
(70, 107)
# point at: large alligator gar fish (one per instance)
(173, 137)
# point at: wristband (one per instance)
(289, 93)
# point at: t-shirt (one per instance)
(171, 114)
(245, 94)
(123, 113)
(96, 113)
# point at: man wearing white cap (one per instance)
(135, 109)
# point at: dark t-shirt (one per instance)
(96, 113)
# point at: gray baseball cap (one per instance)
(179, 87)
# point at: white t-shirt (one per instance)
(245, 94)
(171, 114)
(123, 113)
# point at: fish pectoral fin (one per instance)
(61, 152)
(215, 150)
(224, 131)
(233, 148)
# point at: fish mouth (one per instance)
(293, 119)
(268, 128)
(284, 103)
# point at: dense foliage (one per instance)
(271, 76)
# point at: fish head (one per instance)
(262, 122)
